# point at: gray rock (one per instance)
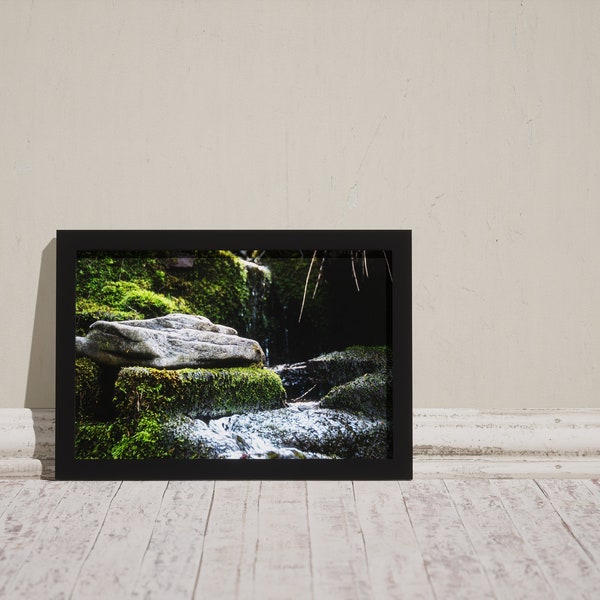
(214, 440)
(315, 377)
(174, 341)
(369, 395)
(325, 432)
(198, 393)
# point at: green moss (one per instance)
(198, 393)
(96, 440)
(88, 311)
(87, 387)
(216, 287)
(125, 300)
(129, 285)
(135, 297)
(147, 439)
(369, 395)
(96, 269)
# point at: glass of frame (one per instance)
(234, 354)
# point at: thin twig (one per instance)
(312, 260)
(388, 266)
(365, 268)
(318, 277)
(303, 395)
(354, 271)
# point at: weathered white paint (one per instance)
(475, 124)
(26, 434)
(564, 564)
(20, 529)
(577, 505)
(121, 543)
(63, 544)
(503, 467)
(421, 539)
(451, 559)
(526, 432)
(338, 553)
(393, 555)
(283, 503)
(507, 559)
(176, 543)
(8, 491)
(26, 442)
(230, 539)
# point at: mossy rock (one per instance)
(125, 301)
(197, 393)
(319, 375)
(87, 387)
(117, 286)
(334, 433)
(342, 366)
(369, 395)
(151, 436)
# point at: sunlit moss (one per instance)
(198, 393)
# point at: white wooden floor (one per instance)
(444, 539)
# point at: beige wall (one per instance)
(476, 124)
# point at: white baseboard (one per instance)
(448, 443)
(531, 443)
(26, 443)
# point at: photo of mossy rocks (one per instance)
(221, 354)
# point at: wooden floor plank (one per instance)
(175, 546)
(338, 555)
(227, 563)
(56, 556)
(566, 566)
(579, 509)
(454, 539)
(507, 559)
(393, 556)
(8, 491)
(22, 523)
(452, 562)
(112, 565)
(283, 566)
(594, 485)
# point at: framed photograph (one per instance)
(234, 355)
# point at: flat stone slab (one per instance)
(175, 341)
(197, 393)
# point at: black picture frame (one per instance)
(396, 244)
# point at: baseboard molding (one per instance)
(26, 443)
(527, 443)
(448, 443)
